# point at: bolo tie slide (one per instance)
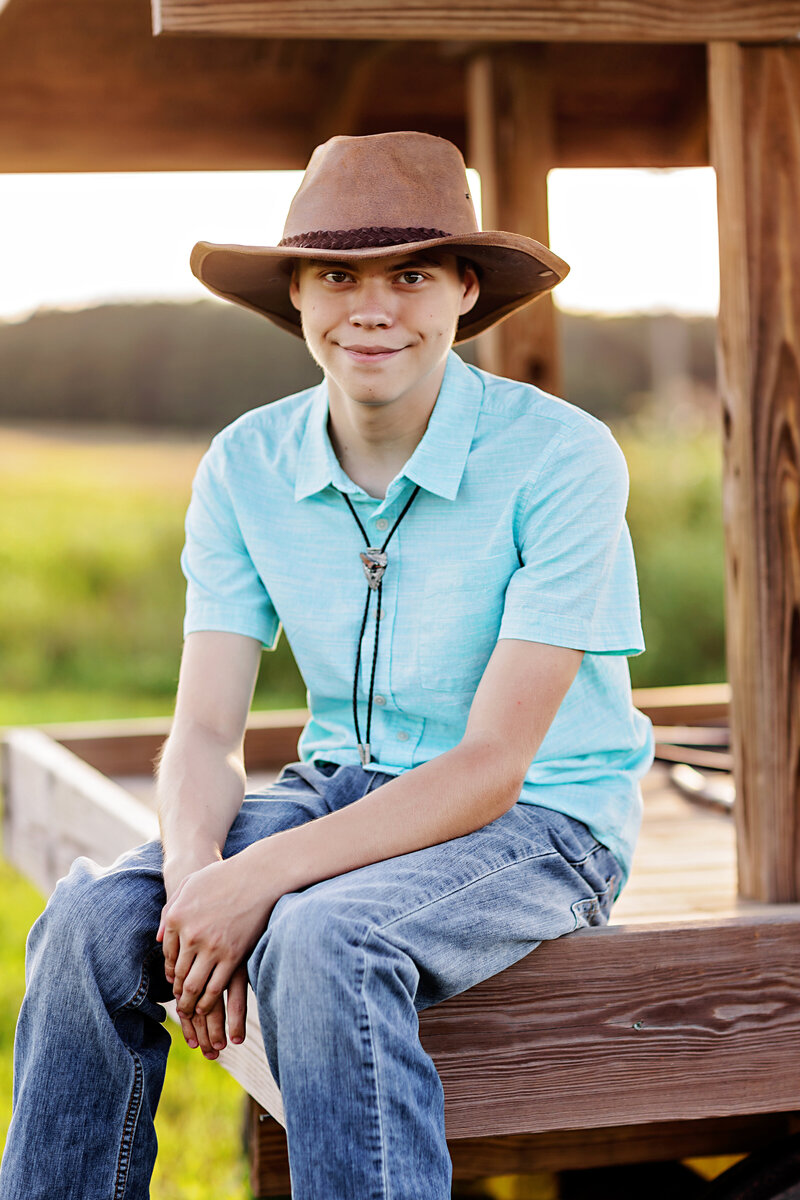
(374, 560)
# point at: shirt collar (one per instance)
(317, 465)
(437, 463)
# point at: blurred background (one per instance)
(116, 368)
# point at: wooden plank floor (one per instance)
(685, 863)
(684, 868)
(687, 984)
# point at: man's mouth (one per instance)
(371, 353)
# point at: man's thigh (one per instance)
(465, 909)
(301, 793)
(112, 913)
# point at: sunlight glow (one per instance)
(636, 240)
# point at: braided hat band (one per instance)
(375, 196)
(360, 239)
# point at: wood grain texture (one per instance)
(644, 1010)
(512, 145)
(56, 807)
(477, 1158)
(715, 760)
(84, 86)
(128, 747)
(497, 20)
(755, 107)
(643, 1005)
(689, 704)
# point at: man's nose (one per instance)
(372, 305)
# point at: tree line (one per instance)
(201, 364)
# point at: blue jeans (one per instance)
(340, 974)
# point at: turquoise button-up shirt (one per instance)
(518, 531)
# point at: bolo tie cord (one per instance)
(374, 561)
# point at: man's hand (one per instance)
(201, 782)
(208, 928)
(207, 1032)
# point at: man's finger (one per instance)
(188, 1031)
(205, 982)
(215, 1020)
(237, 1005)
(170, 948)
(201, 1029)
(184, 964)
(213, 987)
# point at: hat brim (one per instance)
(514, 270)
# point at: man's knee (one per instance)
(318, 949)
(96, 913)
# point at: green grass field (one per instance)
(90, 610)
(91, 601)
(200, 1118)
(91, 594)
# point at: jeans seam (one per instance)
(578, 862)
(138, 996)
(373, 1064)
(478, 879)
(129, 1127)
(137, 1091)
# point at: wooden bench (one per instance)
(675, 1031)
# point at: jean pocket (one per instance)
(595, 910)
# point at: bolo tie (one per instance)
(374, 561)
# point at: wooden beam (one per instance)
(755, 110)
(510, 124)
(650, 1004)
(654, 1006)
(57, 807)
(571, 1149)
(493, 20)
(85, 87)
(354, 80)
(129, 747)
(689, 704)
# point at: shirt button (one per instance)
(379, 699)
(381, 524)
(402, 736)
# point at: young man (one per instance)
(447, 553)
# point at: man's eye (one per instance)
(411, 277)
(336, 276)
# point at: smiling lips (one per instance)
(371, 353)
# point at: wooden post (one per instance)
(510, 126)
(755, 140)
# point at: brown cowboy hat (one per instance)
(377, 196)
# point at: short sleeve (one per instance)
(224, 591)
(576, 585)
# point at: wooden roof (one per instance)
(498, 20)
(85, 86)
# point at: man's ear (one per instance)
(294, 287)
(472, 289)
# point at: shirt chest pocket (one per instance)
(460, 620)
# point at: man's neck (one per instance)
(373, 442)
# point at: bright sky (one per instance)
(636, 240)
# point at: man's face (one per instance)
(382, 327)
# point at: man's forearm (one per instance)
(201, 783)
(448, 797)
